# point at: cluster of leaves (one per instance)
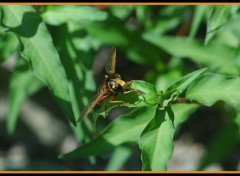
(62, 60)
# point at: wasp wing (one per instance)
(92, 103)
(111, 64)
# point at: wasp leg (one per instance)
(118, 101)
(134, 89)
(130, 91)
(105, 108)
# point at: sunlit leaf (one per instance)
(156, 141)
(38, 50)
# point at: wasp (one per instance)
(112, 85)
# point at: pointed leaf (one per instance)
(37, 48)
(156, 141)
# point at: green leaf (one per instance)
(197, 18)
(148, 94)
(22, 84)
(210, 88)
(57, 15)
(215, 56)
(126, 128)
(156, 141)
(38, 50)
(226, 140)
(218, 17)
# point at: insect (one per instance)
(112, 85)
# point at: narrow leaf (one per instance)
(38, 50)
(156, 141)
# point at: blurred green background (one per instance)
(157, 44)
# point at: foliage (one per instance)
(197, 64)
